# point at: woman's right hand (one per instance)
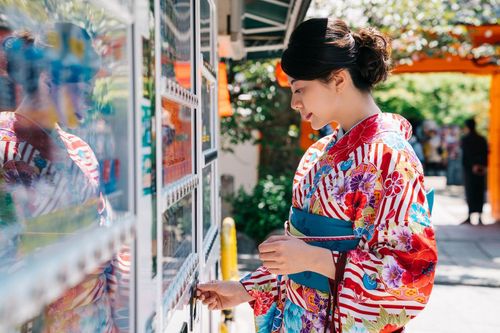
(220, 295)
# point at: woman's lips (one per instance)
(309, 116)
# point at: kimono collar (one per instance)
(366, 131)
(378, 123)
(392, 122)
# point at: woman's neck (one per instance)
(38, 112)
(358, 111)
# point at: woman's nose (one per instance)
(296, 104)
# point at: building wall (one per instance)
(241, 165)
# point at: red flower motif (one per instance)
(355, 202)
(419, 263)
(429, 233)
(358, 256)
(394, 184)
(361, 133)
(263, 301)
(389, 328)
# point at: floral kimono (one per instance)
(44, 173)
(371, 177)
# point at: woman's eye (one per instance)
(298, 91)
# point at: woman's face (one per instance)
(317, 102)
(72, 101)
(66, 103)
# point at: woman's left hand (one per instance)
(285, 255)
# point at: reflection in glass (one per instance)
(177, 237)
(205, 31)
(208, 206)
(83, 313)
(176, 40)
(206, 107)
(65, 109)
(176, 141)
(148, 150)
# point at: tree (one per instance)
(262, 116)
(420, 27)
(445, 98)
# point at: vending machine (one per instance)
(109, 187)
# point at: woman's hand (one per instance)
(220, 295)
(288, 255)
(284, 255)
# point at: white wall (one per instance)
(242, 165)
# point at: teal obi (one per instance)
(326, 232)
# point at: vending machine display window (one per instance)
(207, 101)
(177, 238)
(177, 145)
(208, 199)
(66, 151)
(207, 32)
(176, 41)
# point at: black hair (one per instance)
(25, 60)
(320, 47)
(470, 124)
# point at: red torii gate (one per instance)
(456, 64)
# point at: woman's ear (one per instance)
(45, 82)
(339, 80)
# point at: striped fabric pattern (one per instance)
(372, 177)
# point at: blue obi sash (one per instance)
(331, 233)
(303, 224)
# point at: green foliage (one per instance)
(262, 116)
(265, 209)
(253, 91)
(431, 27)
(444, 98)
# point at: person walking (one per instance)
(454, 161)
(474, 161)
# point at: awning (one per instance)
(268, 24)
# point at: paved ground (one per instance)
(459, 309)
(467, 293)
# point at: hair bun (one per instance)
(374, 55)
(25, 60)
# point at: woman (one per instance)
(374, 267)
(47, 173)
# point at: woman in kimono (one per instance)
(359, 252)
(46, 172)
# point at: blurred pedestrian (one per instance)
(432, 153)
(474, 161)
(454, 160)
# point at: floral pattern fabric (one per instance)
(371, 177)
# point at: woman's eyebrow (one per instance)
(293, 81)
